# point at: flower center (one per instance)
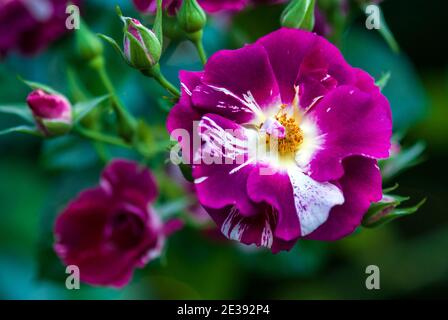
(127, 230)
(287, 134)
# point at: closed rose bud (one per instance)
(387, 209)
(52, 112)
(142, 49)
(191, 16)
(110, 230)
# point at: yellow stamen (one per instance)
(290, 144)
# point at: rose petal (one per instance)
(239, 81)
(181, 118)
(127, 180)
(361, 185)
(223, 183)
(286, 49)
(350, 122)
(249, 230)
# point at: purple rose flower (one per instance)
(52, 112)
(210, 6)
(110, 230)
(336, 124)
(30, 25)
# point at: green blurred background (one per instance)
(38, 178)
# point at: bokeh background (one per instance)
(38, 178)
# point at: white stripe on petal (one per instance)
(248, 101)
(199, 180)
(184, 86)
(313, 200)
(222, 143)
(267, 237)
(249, 161)
(226, 227)
(235, 225)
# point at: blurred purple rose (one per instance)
(110, 230)
(29, 26)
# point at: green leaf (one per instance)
(186, 172)
(81, 109)
(299, 14)
(22, 129)
(19, 110)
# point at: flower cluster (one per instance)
(280, 139)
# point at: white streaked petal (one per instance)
(248, 101)
(267, 237)
(235, 225)
(220, 142)
(226, 227)
(313, 200)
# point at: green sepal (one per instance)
(387, 210)
(299, 14)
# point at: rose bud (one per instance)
(142, 49)
(110, 230)
(52, 112)
(88, 45)
(388, 209)
(191, 16)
